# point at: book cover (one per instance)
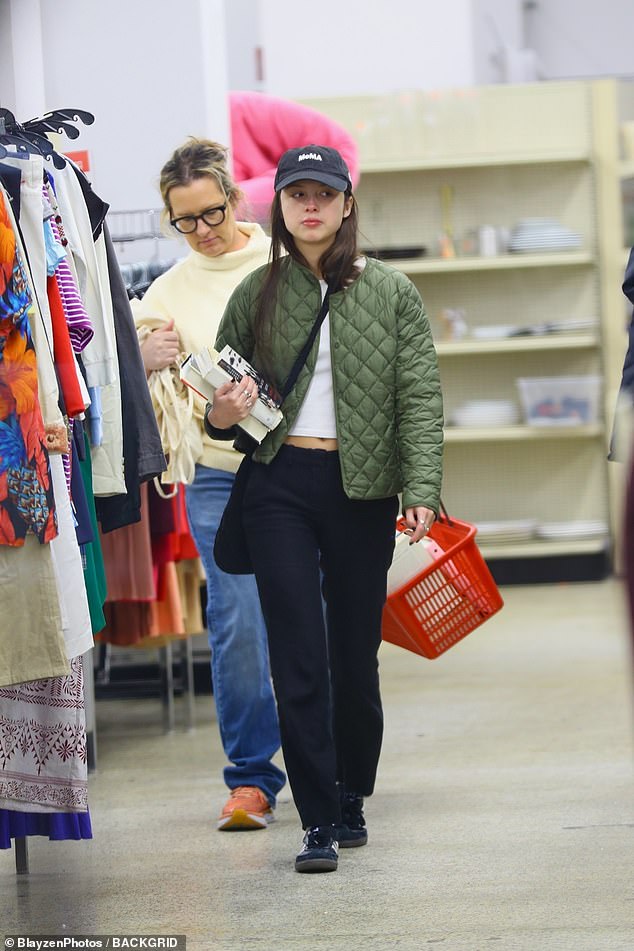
(208, 369)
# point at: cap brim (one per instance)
(306, 175)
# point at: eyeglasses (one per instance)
(187, 224)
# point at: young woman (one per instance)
(362, 424)
(200, 198)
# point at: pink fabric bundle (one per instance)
(263, 127)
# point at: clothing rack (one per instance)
(139, 225)
(28, 139)
(165, 685)
(138, 275)
(135, 225)
(31, 138)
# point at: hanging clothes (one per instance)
(92, 555)
(63, 352)
(99, 357)
(80, 327)
(43, 744)
(51, 564)
(30, 235)
(10, 180)
(31, 639)
(32, 643)
(142, 447)
(55, 826)
(144, 598)
(80, 349)
(26, 498)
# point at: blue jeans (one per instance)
(245, 704)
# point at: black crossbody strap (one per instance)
(303, 355)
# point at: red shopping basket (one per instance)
(448, 599)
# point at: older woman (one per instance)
(200, 198)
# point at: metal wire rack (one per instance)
(136, 225)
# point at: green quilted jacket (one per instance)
(385, 376)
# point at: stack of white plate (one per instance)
(532, 235)
(486, 413)
(564, 531)
(568, 325)
(506, 530)
(493, 331)
(501, 331)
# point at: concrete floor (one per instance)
(503, 816)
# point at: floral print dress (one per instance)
(26, 495)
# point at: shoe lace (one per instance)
(249, 793)
(318, 836)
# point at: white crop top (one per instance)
(317, 413)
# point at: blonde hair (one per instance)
(198, 158)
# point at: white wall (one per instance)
(354, 47)
(497, 39)
(151, 79)
(242, 21)
(583, 38)
(27, 74)
(7, 82)
(143, 75)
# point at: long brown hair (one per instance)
(337, 264)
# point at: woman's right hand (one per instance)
(232, 403)
(160, 348)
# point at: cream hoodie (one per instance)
(194, 293)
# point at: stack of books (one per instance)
(205, 371)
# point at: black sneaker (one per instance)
(352, 832)
(319, 851)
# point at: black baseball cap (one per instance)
(315, 163)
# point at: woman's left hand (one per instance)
(419, 520)
(232, 402)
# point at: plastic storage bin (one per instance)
(448, 599)
(560, 400)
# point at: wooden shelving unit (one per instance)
(504, 154)
(519, 344)
(463, 434)
(500, 262)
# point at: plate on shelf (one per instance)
(543, 234)
(555, 531)
(486, 413)
(542, 246)
(396, 254)
(493, 331)
(506, 530)
(573, 323)
(505, 331)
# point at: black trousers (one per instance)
(302, 529)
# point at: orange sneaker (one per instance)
(246, 808)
